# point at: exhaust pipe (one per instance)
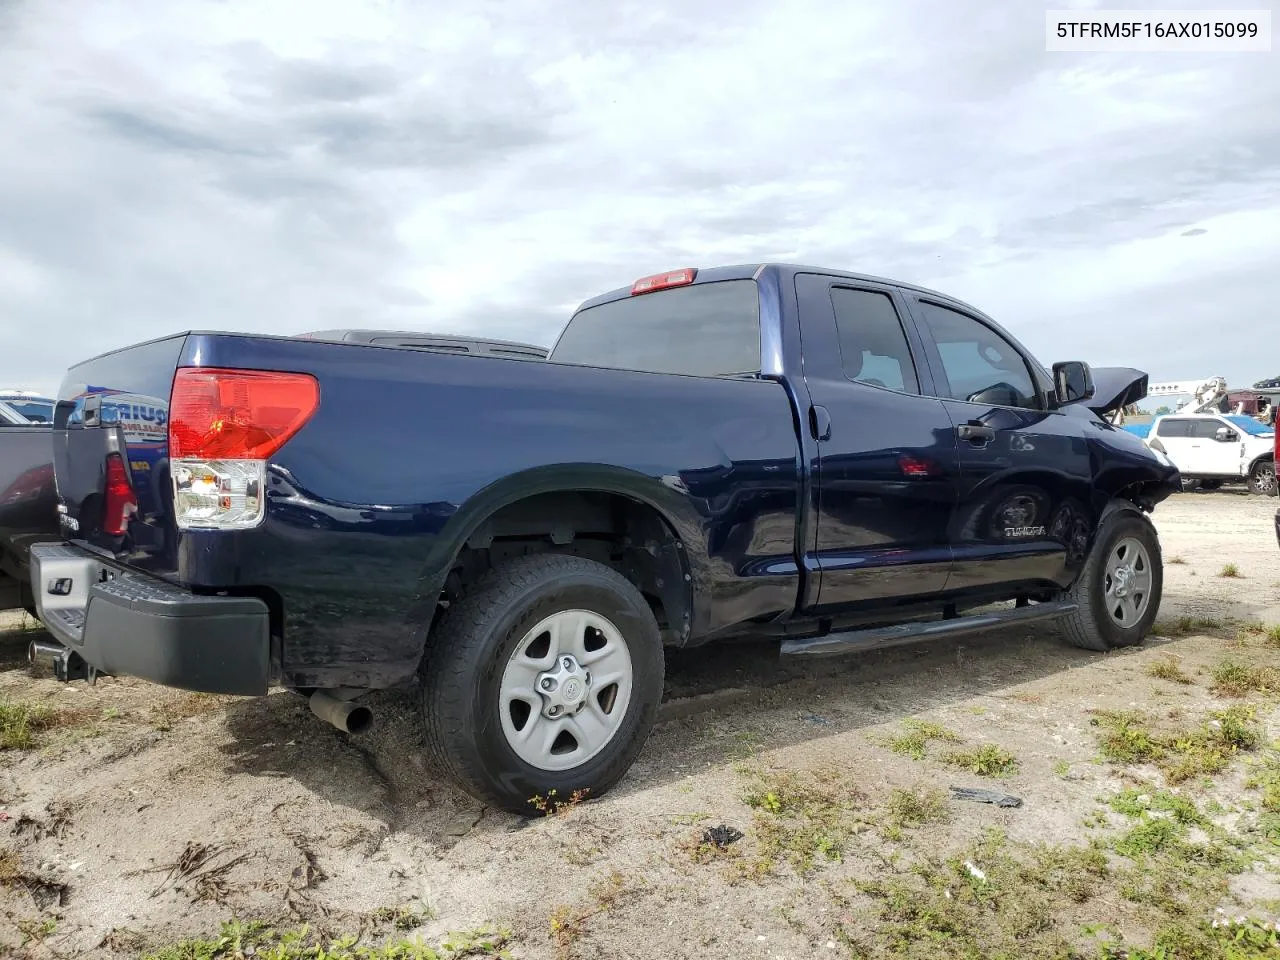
(346, 716)
(45, 653)
(67, 664)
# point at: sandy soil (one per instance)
(282, 817)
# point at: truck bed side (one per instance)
(413, 459)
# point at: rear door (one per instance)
(886, 486)
(1172, 436)
(1025, 509)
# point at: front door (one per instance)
(1211, 456)
(1025, 511)
(885, 488)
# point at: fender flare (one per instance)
(672, 507)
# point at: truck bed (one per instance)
(363, 512)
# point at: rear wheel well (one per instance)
(626, 534)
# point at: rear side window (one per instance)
(1174, 428)
(703, 330)
(873, 346)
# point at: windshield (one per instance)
(1251, 426)
(704, 330)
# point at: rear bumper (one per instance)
(124, 623)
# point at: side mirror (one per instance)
(1224, 435)
(1072, 382)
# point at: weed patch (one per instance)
(1168, 668)
(917, 737)
(1232, 679)
(996, 900)
(1180, 753)
(1186, 625)
(987, 760)
(801, 819)
(238, 940)
(1230, 571)
(21, 724)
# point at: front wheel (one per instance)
(544, 677)
(1118, 591)
(1262, 478)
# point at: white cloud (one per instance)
(281, 166)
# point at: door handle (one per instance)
(975, 432)
(819, 423)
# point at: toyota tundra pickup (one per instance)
(837, 461)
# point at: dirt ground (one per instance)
(140, 816)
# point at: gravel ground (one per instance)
(147, 815)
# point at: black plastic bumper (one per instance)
(123, 623)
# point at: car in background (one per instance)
(25, 406)
(1212, 449)
(28, 498)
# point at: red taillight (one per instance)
(661, 281)
(118, 502)
(237, 414)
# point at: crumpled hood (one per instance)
(1115, 387)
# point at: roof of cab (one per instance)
(748, 271)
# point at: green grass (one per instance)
(21, 723)
(1168, 668)
(915, 808)
(917, 737)
(262, 942)
(1005, 907)
(1230, 571)
(1181, 753)
(1137, 803)
(1232, 679)
(1186, 625)
(802, 818)
(985, 761)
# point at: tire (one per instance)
(471, 717)
(1092, 626)
(1190, 486)
(1262, 479)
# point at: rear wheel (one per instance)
(1119, 589)
(545, 676)
(1262, 478)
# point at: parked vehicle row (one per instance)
(520, 540)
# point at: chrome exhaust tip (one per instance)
(343, 714)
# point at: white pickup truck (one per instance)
(1213, 449)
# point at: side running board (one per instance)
(852, 641)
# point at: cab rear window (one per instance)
(703, 330)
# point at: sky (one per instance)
(484, 167)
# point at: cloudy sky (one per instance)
(290, 166)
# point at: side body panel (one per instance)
(410, 451)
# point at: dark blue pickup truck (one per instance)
(837, 461)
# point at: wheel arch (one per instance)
(647, 526)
